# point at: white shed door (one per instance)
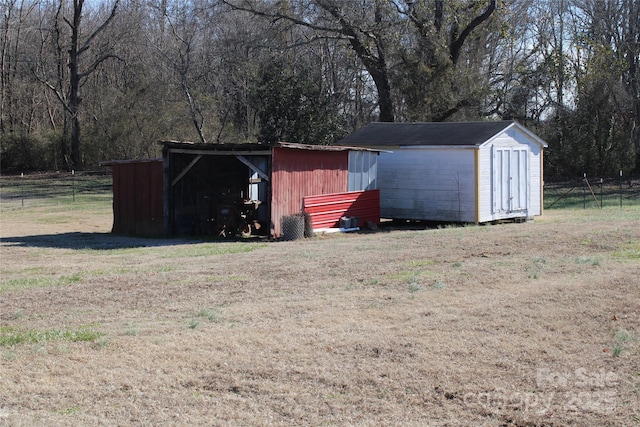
(510, 173)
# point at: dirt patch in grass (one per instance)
(505, 325)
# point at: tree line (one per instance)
(82, 82)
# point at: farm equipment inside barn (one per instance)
(239, 217)
(227, 214)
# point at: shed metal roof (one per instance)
(384, 134)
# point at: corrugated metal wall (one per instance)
(299, 173)
(137, 197)
(327, 209)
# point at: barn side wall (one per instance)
(434, 184)
(299, 173)
(138, 197)
(516, 139)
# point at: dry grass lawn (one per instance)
(534, 324)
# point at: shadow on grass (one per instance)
(91, 241)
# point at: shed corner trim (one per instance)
(476, 165)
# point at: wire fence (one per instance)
(588, 193)
(34, 189)
(26, 190)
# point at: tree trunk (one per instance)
(375, 64)
(74, 83)
(380, 77)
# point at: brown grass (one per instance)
(505, 325)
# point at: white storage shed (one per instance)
(471, 172)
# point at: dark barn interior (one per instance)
(219, 194)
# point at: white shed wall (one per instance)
(516, 140)
(436, 184)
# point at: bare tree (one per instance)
(630, 50)
(78, 56)
(16, 45)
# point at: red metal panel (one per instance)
(117, 204)
(137, 197)
(299, 173)
(123, 198)
(327, 209)
(149, 198)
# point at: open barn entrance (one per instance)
(218, 194)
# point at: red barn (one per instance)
(227, 189)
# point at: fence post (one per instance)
(73, 183)
(22, 187)
(584, 191)
(601, 193)
(620, 188)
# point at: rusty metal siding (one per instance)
(137, 197)
(300, 173)
(327, 209)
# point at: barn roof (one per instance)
(256, 148)
(384, 134)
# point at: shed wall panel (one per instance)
(435, 184)
(300, 173)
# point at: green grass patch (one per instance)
(622, 341)
(137, 250)
(132, 330)
(535, 270)
(11, 337)
(69, 411)
(438, 284)
(38, 282)
(211, 249)
(221, 278)
(212, 315)
(595, 261)
(628, 251)
(373, 282)
(414, 287)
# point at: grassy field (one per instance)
(533, 324)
